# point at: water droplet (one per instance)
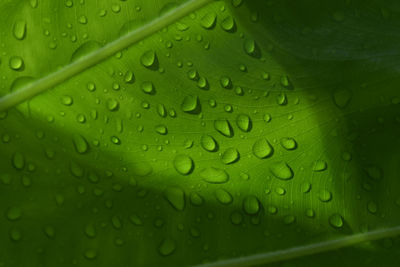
(225, 82)
(112, 104)
(262, 149)
(135, 219)
(267, 118)
(310, 213)
(324, 195)
(161, 110)
(289, 219)
(196, 199)
(85, 49)
(305, 187)
(285, 81)
(272, 210)
(80, 143)
(90, 230)
(208, 143)
(49, 231)
(148, 88)
(236, 218)
(16, 63)
(223, 196)
(282, 170)
(167, 247)
(374, 172)
(342, 97)
(190, 104)
(249, 46)
(15, 234)
(18, 161)
(336, 220)
(14, 213)
(129, 77)
(320, 166)
(223, 127)
(161, 129)
(66, 100)
(281, 99)
(183, 164)
(115, 140)
(228, 24)
(288, 143)
(19, 29)
(244, 122)
(372, 207)
(214, 175)
(230, 155)
(90, 254)
(176, 197)
(148, 59)
(251, 205)
(208, 20)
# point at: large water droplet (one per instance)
(262, 149)
(19, 29)
(190, 104)
(80, 143)
(214, 175)
(167, 247)
(320, 166)
(14, 213)
(244, 122)
(251, 205)
(176, 197)
(208, 143)
(148, 59)
(336, 220)
(208, 20)
(228, 24)
(16, 63)
(324, 195)
(281, 170)
(342, 97)
(223, 127)
(230, 155)
(18, 161)
(183, 164)
(223, 196)
(148, 88)
(288, 143)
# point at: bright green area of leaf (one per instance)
(246, 127)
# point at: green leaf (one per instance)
(169, 133)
